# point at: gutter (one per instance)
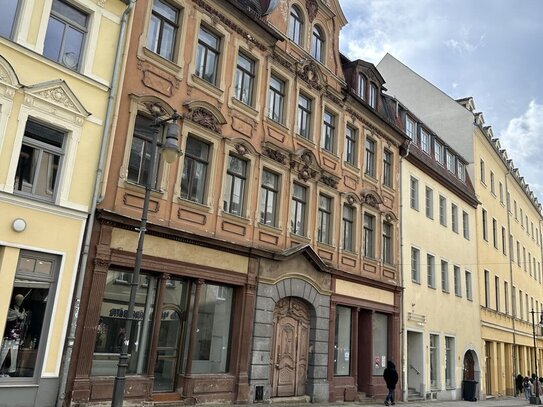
(106, 133)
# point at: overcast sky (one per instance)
(491, 50)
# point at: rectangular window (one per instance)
(325, 218)
(469, 288)
(304, 116)
(207, 55)
(414, 193)
(429, 200)
(449, 362)
(497, 292)
(465, 224)
(450, 162)
(504, 243)
(516, 210)
(276, 99)
(438, 152)
(461, 170)
(245, 79)
(234, 191)
(485, 227)
(521, 219)
(342, 342)
(444, 276)
(387, 168)
(434, 361)
(350, 145)
(521, 308)
(425, 141)
(27, 320)
(361, 86)
(212, 338)
(163, 27)
(482, 169)
(348, 227)
(196, 162)
(111, 328)
(430, 268)
(457, 282)
(410, 129)
(329, 131)
(298, 209)
(379, 339)
(500, 185)
(487, 289)
(442, 210)
(454, 218)
(40, 161)
(415, 265)
(370, 157)
(518, 253)
(387, 243)
(495, 232)
(492, 187)
(373, 96)
(65, 36)
(506, 296)
(369, 235)
(509, 202)
(269, 191)
(10, 10)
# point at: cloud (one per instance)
(523, 139)
(467, 42)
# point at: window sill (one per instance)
(278, 125)
(326, 246)
(35, 197)
(206, 87)
(132, 186)
(235, 218)
(349, 253)
(304, 140)
(390, 189)
(351, 167)
(295, 236)
(330, 154)
(244, 108)
(161, 62)
(193, 204)
(269, 228)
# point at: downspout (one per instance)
(112, 94)
(403, 337)
(507, 206)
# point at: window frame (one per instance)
(329, 131)
(348, 222)
(369, 235)
(304, 116)
(265, 192)
(201, 62)
(296, 36)
(278, 94)
(199, 160)
(387, 168)
(351, 138)
(387, 234)
(230, 182)
(318, 41)
(298, 203)
(16, 15)
(370, 148)
(162, 20)
(325, 219)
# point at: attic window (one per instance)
(361, 86)
(373, 96)
(317, 44)
(295, 25)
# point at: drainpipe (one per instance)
(507, 206)
(112, 94)
(402, 336)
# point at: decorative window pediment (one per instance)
(8, 79)
(371, 198)
(206, 115)
(304, 162)
(49, 96)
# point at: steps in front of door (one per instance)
(291, 400)
(414, 395)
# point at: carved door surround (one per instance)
(291, 322)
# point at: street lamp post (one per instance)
(170, 151)
(535, 345)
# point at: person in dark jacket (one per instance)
(391, 378)
(518, 384)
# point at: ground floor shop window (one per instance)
(380, 343)
(342, 343)
(449, 366)
(434, 364)
(210, 354)
(28, 316)
(111, 328)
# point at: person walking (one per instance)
(527, 386)
(391, 378)
(518, 384)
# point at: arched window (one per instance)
(317, 44)
(295, 25)
(361, 86)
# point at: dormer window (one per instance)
(317, 44)
(425, 141)
(295, 26)
(361, 86)
(450, 162)
(461, 171)
(410, 128)
(373, 96)
(438, 152)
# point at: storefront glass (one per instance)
(342, 343)
(380, 343)
(111, 328)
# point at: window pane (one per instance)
(212, 339)
(111, 327)
(7, 16)
(342, 343)
(53, 39)
(72, 48)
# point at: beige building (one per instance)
(56, 60)
(508, 231)
(441, 335)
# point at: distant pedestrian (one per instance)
(518, 384)
(527, 386)
(391, 378)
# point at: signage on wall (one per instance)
(377, 360)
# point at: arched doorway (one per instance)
(469, 366)
(291, 322)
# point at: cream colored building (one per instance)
(441, 336)
(56, 60)
(508, 231)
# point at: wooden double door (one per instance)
(291, 323)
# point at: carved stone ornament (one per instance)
(312, 8)
(309, 74)
(371, 200)
(241, 149)
(101, 263)
(203, 118)
(328, 180)
(59, 96)
(350, 200)
(274, 155)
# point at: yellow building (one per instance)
(441, 335)
(56, 62)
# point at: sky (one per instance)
(491, 50)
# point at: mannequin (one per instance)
(14, 333)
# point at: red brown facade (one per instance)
(271, 259)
